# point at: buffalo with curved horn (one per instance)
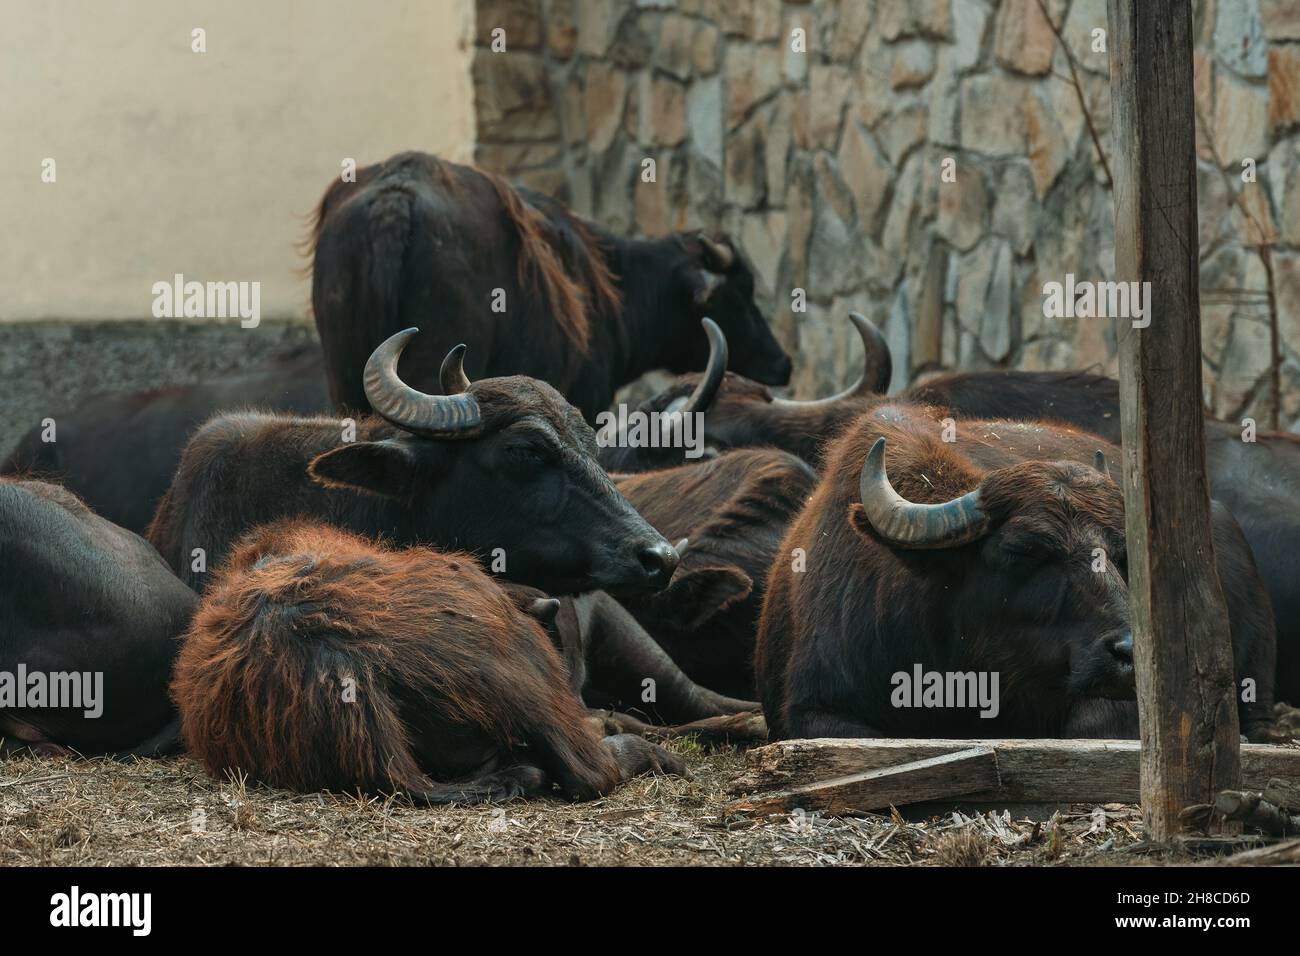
(589, 311)
(989, 571)
(502, 467)
(742, 413)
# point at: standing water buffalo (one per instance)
(998, 555)
(87, 609)
(319, 660)
(118, 452)
(503, 463)
(532, 289)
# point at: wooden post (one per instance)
(1183, 656)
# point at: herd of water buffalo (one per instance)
(403, 563)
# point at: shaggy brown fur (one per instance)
(319, 661)
(1022, 601)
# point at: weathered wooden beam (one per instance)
(932, 778)
(1029, 771)
(1182, 650)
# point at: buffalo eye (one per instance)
(1022, 551)
(527, 455)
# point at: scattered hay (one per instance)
(150, 812)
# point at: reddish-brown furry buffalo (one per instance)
(319, 660)
(1007, 582)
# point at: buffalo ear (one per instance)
(858, 519)
(695, 595)
(385, 468)
(703, 284)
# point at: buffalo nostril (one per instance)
(659, 561)
(1121, 648)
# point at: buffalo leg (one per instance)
(165, 743)
(496, 787)
(621, 656)
(746, 728)
(803, 722)
(18, 736)
(636, 755)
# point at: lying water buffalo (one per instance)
(321, 661)
(1000, 554)
(531, 288)
(734, 509)
(741, 413)
(91, 617)
(118, 452)
(504, 468)
(1258, 481)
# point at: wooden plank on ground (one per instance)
(933, 778)
(1029, 771)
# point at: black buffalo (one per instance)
(118, 452)
(81, 596)
(503, 467)
(531, 288)
(733, 510)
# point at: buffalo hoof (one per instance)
(636, 755)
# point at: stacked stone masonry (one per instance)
(826, 166)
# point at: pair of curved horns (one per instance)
(904, 524)
(455, 414)
(877, 367)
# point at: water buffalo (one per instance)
(742, 413)
(90, 610)
(1000, 554)
(503, 467)
(319, 660)
(1258, 481)
(531, 288)
(734, 510)
(118, 452)
(610, 658)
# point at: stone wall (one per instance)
(826, 166)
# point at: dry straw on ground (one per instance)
(169, 812)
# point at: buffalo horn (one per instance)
(1099, 462)
(707, 389)
(437, 416)
(452, 374)
(902, 524)
(877, 366)
(719, 256)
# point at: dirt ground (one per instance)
(169, 812)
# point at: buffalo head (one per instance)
(502, 463)
(743, 413)
(719, 282)
(1032, 566)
